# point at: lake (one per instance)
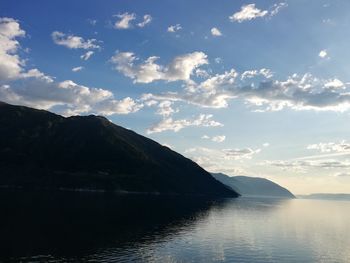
(71, 227)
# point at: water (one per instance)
(67, 227)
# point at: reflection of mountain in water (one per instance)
(64, 224)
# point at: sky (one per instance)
(256, 88)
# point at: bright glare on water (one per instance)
(61, 228)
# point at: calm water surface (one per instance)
(64, 227)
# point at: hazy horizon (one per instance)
(254, 88)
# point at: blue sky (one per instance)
(257, 88)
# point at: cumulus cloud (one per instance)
(323, 54)
(12, 67)
(72, 98)
(248, 12)
(73, 42)
(174, 28)
(35, 89)
(219, 138)
(10, 62)
(124, 21)
(165, 108)
(298, 92)
(123, 106)
(181, 68)
(76, 69)
(169, 124)
(201, 73)
(211, 93)
(215, 32)
(335, 84)
(87, 55)
(146, 20)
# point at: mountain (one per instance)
(326, 196)
(253, 186)
(39, 149)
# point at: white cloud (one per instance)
(215, 32)
(35, 89)
(71, 98)
(221, 160)
(334, 84)
(219, 138)
(168, 124)
(266, 144)
(146, 20)
(73, 42)
(76, 69)
(181, 68)
(297, 92)
(87, 55)
(254, 73)
(276, 8)
(10, 62)
(330, 147)
(236, 154)
(35, 73)
(165, 108)
(124, 21)
(174, 28)
(210, 93)
(248, 12)
(202, 73)
(323, 54)
(123, 106)
(302, 166)
(222, 154)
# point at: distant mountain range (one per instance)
(253, 186)
(325, 196)
(42, 150)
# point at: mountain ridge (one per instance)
(253, 186)
(40, 149)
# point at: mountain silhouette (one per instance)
(253, 186)
(42, 150)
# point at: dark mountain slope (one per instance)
(253, 186)
(39, 149)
